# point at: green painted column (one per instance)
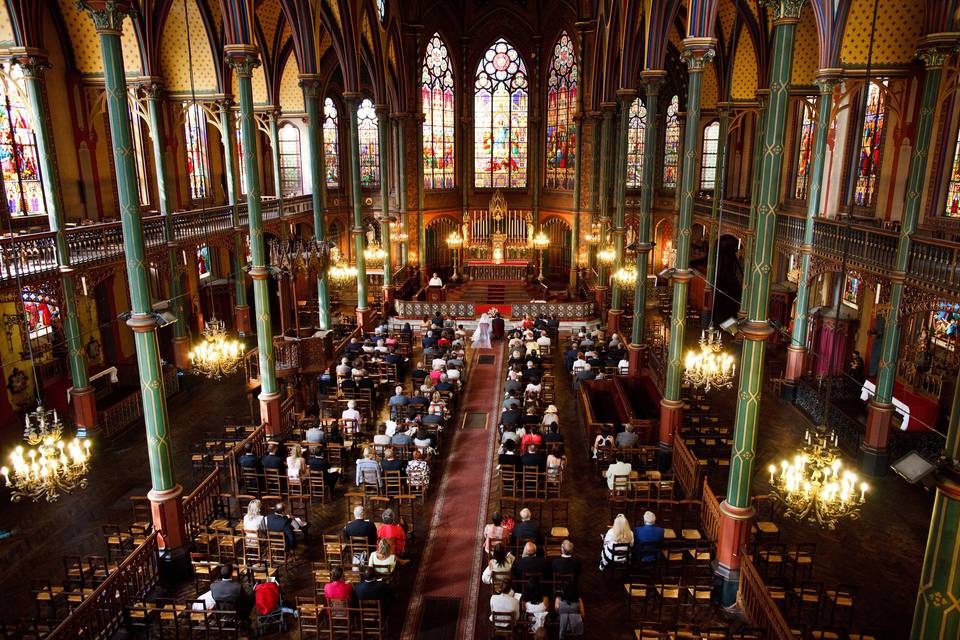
(312, 101)
(241, 307)
(936, 615)
(243, 59)
(421, 227)
(719, 182)
(763, 100)
(736, 511)
(181, 341)
(108, 16)
(577, 168)
(603, 188)
(880, 407)
(274, 120)
(33, 63)
(402, 184)
(697, 54)
(651, 80)
(625, 98)
(796, 351)
(383, 133)
(353, 137)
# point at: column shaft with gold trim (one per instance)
(241, 309)
(625, 98)
(353, 136)
(313, 105)
(383, 133)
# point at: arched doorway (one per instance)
(438, 258)
(729, 279)
(556, 259)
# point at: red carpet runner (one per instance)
(450, 566)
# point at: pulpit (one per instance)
(436, 294)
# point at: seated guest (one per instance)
(511, 416)
(619, 534)
(296, 465)
(360, 527)
(248, 459)
(530, 417)
(503, 601)
(510, 434)
(418, 374)
(335, 437)
(566, 564)
(424, 439)
(279, 522)
(372, 587)
(569, 609)
(401, 439)
(531, 437)
(647, 539)
(381, 436)
(444, 384)
(419, 400)
(418, 471)
(618, 468)
(269, 598)
(535, 605)
(230, 594)
(314, 435)
(343, 369)
(513, 383)
(501, 561)
(494, 533)
(337, 588)
(553, 434)
(626, 439)
(254, 523)
(368, 469)
(556, 462)
(586, 374)
(530, 562)
(392, 532)
(511, 401)
(526, 529)
(509, 457)
(382, 560)
(318, 462)
(350, 415)
(533, 458)
(270, 459)
(390, 462)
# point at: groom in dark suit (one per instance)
(498, 326)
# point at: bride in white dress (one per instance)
(481, 337)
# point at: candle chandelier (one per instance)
(607, 255)
(626, 276)
(814, 487)
(709, 367)
(47, 466)
(341, 272)
(216, 355)
(374, 255)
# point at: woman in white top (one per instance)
(535, 605)
(550, 415)
(253, 523)
(383, 560)
(501, 561)
(296, 465)
(619, 533)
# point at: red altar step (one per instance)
(492, 292)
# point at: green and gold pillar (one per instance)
(880, 407)
(274, 127)
(108, 16)
(241, 310)
(243, 59)
(937, 615)
(153, 91)
(651, 80)
(33, 62)
(718, 186)
(577, 168)
(697, 52)
(353, 136)
(736, 511)
(797, 349)
(383, 133)
(421, 227)
(625, 98)
(603, 191)
(312, 101)
(763, 97)
(402, 120)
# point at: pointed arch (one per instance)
(636, 143)
(331, 143)
(671, 144)
(562, 88)
(500, 103)
(368, 132)
(439, 115)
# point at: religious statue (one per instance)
(371, 235)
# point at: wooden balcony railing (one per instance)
(754, 598)
(35, 253)
(709, 513)
(101, 614)
(116, 418)
(200, 505)
(686, 469)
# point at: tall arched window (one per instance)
(500, 119)
(708, 157)
(291, 169)
(18, 148)
(368, 130)
(137, 134)
(869, 146)
(195, 133)
(952, 207)
(671, 144)
(808, 124)
(439, 116)
(381, 9)
(561, 105)
(331, 143)
(241, 162)
(636, 140)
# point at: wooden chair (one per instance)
(279, 555)
(271, 482)
(119, 543)
(372, 624)
(502, 625)
(801, 556)
(841, 602)
(392, 483)
(333, 548)
(309, 619)
(317, 486)
(250, 480)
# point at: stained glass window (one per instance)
(139, 158)
(436, 91)
(18, 150)
(953, 186)
(331, 143)
(368, 131)
(381, 8)
(500, 119)
(204, 266)
(241, 163)
(808, 124)
(291, 169)
(671, 144)
(871, 142)
(561, 106)
(636, 139)
(708, 158)
(195, 133)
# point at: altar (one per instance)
(502, 270)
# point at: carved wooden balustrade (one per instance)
(709, 513)
(200, 505)
(686, 468)
(760, 609)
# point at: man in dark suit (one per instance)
(497, 325)
(553, 435)
(390, 462)
(510, 417)
(271, 460)
(566, 564)
(279, 522)
(249, 459)
(531, 562)
(534, 458)
(509, 457)
(526, 529)
(372, 588)
(360, 528)
(318, 462)
(230, 594)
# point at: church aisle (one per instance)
(450, 564)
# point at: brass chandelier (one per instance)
(216, 355)
(814, 487)
(47, 466)
(709, 367)
(374, 255)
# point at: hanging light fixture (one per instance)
(398, 232)
(341, 272)
(216, 355)
(626, 276)
(709, 367)
(594, 236)
(814, 486)
(374, 255)
(48, 466)
(607, 255)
